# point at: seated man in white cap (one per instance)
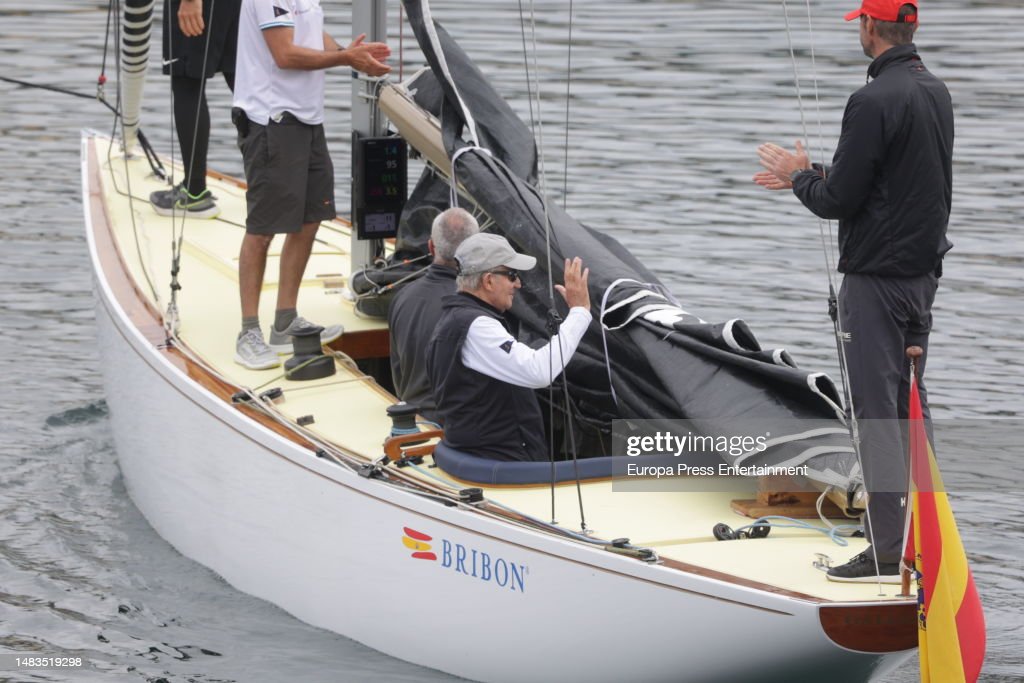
(482, 377)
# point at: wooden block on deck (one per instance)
(798, 509)
(776, 496)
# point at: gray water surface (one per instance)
(668, 100)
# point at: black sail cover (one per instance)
(644, 357)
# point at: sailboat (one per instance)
(298, 491)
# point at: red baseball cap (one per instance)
(884, 10)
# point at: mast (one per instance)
(369, 17)
(135, 30)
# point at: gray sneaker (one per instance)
(281, 342)
(177, 201)
(252, 352)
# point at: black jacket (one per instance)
(412, 316)
(891, 180)
(481, 415)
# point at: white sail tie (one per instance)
(604, 327)
(435, 42)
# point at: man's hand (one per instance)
(368, 58)
(575, 291)
(780, 163)
(769, 181)
(190, 17)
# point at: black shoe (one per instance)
(178, 201)
(861, 569)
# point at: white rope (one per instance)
(453, 180)
(435, 42)
(467, 115)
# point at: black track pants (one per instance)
(192, 124)
(882, 316)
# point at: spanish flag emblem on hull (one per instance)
(418, 542)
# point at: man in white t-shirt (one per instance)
(279, 112)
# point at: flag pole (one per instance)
(907, 564)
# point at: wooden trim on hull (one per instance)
(871, 628)
(146, 318)
(143, 315)
(740, 581)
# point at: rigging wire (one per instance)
(572, 435)
(541, 169)
(827, 240)
(526, 68)
(568, 99)
(64, 91)
(178, 233)
(100, 95)
(106, 46)
(826, 236)
(542, 176)
(828, 243)
(119, 119)
(536, 128)
(553, 320)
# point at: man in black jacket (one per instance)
(416, 308)
(890, 187)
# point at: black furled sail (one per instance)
(644, 357)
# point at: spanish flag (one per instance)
(950, 624)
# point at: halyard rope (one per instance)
(827, 241)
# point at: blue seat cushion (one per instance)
(479, 470)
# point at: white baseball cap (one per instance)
(485, 251)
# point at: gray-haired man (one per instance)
(416, 309)
(483, 378)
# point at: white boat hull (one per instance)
(326, 545)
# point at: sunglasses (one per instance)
(512, 275)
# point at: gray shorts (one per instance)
(290, 176)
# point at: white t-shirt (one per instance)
(262, 89)
(491, 350)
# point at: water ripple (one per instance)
(668, 100)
